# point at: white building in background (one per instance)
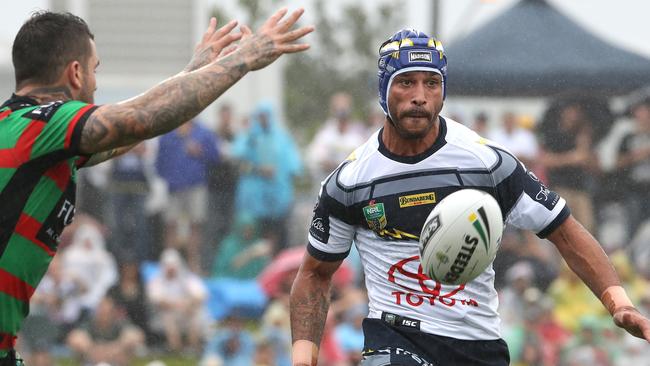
(143, 42)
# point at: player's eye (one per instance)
(405, 82)
(433, 82)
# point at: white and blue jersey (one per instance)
(379, 201)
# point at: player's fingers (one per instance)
(211, 27)
(293, 48)
(274, 19)
(646, 335)
(296, 34)
(230, 49)
(224, 30)
(228, 39)
(634, 323)
(291, 20)
(644, 329)
(245, 30)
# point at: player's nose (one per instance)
(419, 94)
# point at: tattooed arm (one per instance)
(180, 98)
(310, 300)
(212, 44)
(107, 155)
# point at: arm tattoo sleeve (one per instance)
(308, 307)
(162, 108)
(101, 157)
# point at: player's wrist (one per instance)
(615, 299)
(304, 353)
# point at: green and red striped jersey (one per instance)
(39, 156)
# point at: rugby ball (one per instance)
(460, 237)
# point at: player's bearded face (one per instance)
(415, 100)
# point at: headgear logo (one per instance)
(420, 56)
(405, 271)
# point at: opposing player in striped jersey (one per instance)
(50, 128)
(379, 198)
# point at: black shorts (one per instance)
(387, 344)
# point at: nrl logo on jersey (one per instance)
(375, 216)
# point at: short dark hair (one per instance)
(46, 43)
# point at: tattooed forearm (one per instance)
(100, 157)
(107, 155)
(309, 304)
(160, 109)
(200, 59)
(262, 52)
(182, 97)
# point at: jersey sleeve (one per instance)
(525, 201)
(331, 231)
(63, 123)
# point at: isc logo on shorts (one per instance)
(411, 323)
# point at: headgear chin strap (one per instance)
(409, 50)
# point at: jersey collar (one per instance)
(17, 102)
(414, 159)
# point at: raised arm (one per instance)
(586, 258)
(310, 300)
(101, 157)
(180, 98)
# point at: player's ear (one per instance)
(74, 75)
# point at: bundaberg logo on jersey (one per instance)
(417, 199)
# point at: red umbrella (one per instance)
(279, 274)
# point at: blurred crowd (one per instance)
(188, 244)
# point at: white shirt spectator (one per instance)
(521, 142)
(88, 262)
(332, 144)
(177, 296)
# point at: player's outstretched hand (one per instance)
(273, 39)
(212, 44)
(633, 322)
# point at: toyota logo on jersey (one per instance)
(407, 274)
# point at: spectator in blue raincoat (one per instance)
(269, 162)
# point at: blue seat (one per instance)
(226, 296)
(229, 296)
